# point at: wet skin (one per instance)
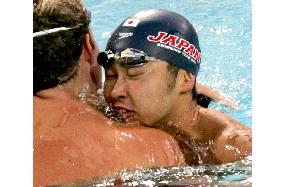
(142, 94)
(74, 141)
(129, 90)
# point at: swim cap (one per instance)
(161, 34)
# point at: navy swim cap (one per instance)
(161, 34)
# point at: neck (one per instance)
(185, 114)
(73, 87)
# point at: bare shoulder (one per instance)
(212, 123)
(69, 142)
(149, 132)
(74, 141)
(153, 135)
(161, 144)
(217, 118)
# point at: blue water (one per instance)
(224, 30)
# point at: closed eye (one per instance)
(135, 72)
(110, 75)
(110, 78)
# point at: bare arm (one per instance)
(232, 140)
(214, 95)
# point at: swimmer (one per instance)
(72, 140)
(151, 78)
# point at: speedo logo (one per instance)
(177, 44)
(124, 34)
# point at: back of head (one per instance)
(56, 54)
(162, 34)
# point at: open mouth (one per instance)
(125, 115)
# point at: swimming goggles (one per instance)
(58, 29)
(128, 58)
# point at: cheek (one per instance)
(150, 101)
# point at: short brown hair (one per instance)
(173, 70)
(56, 55)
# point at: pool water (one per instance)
(224, 30)
(232, 174)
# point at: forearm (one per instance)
(214, 95)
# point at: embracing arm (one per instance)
(214, 95)
(233, 143)
(232, 140)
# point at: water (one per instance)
(224, 30)
(232, 174)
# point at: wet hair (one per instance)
(203, 100)
(56, 55)
(173, 70)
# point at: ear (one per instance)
(88, 48)
(185, 81)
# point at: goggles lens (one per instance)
(128, 58)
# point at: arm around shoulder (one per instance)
(232, 140)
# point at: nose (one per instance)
(119, 90)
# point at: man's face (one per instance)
(140, 93)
